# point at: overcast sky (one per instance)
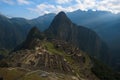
(34, 8)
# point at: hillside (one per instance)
(87, 40)
(52, 56)
(11, 33)
(53, 59)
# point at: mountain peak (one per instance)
(61, 13)
(62, 16)
(61, 23)
(32, 39)
(62, 28)
(34, 33)
(34, 30)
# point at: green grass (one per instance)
(11, 74)
(17, 74)
(104, 72)
(74, 65)
(33, 76)
(51, 48)
(4, 52)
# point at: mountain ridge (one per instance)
(104, 23)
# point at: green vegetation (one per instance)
(4, 52)
(81, 69)
(33, 76)
(11, 73)
(51, 48)
(22, 74)
(72, 62)
(103, 72)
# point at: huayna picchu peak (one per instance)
(62, 14)
(65, 51)
(62, 28)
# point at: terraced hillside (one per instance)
(54, 56)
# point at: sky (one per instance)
(33, 8)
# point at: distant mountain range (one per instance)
(13, 31)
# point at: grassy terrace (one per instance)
(74, 65)
(4, 52)
(14, 74)
(22, 74)
(11, 73)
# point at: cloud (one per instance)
(24, 2)
(44, 8)
(11, 2)
(109, 5)
(104, 5)
(68, 5)
(8, 1)
(63, 1)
